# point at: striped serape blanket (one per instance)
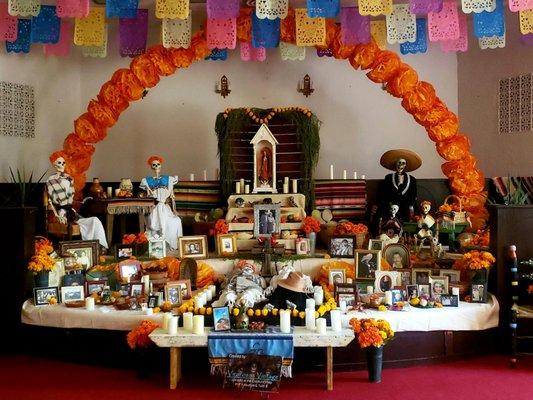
(197, 196)
(345, 198)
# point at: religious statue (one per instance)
(163, 220)
(265, 170)
(60, 190)
(399, 187)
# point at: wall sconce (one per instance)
(304, 86)
(223, 87)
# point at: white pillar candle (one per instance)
(166, 319)
(205, 174)
(285, 188)
(370, 289)
(455, 291)
(246, 189)
(331, 171)
(146, 280)
(209, 295)
(363, 177)
(321, 326)
(198, 301)
(344, 176)
(109, 192)
(241, 182)
(149, 311)
(349, 280)
(295, 185)
(310, 303)
(355, 174)
(213, 290)
(286, 181)
(342, 305)
(285, 321)
(187, 321)
(335, 316)
(237, 188)
(89, 303)
(191, 177)
(173, 326)
(388, 297)
(198, 325)
(117, 191)
(310, 319)
(319, 297)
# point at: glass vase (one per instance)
(312, 242)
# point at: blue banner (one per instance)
(218, 54)
(265, 32)
(323, 8)
(487, 24)
(121, 8)
(23, 42)
(420, 45)
(45, 27)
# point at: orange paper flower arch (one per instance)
(384, 67)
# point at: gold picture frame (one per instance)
(226, 244)
(192, 246)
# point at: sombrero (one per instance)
(295, 282)
(389, 158)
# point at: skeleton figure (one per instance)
(426, 222)
(391, 229)
(163, 220)
(60, 190)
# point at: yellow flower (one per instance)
(52, 300)
(258, 312)
(383, 334)
(157, 310)
(264, 312)
(275, 312)
(236, 311)
(202, 310)
(382, 308)
(301, 314)
(250, 312)
(190, 309)
(209, 311)
(294, 313)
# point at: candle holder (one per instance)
(222, 88)
(305, 86)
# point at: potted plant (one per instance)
(372, 335)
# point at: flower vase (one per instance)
(41, 279)
(312, 242)
(242, 320)
(374, 361)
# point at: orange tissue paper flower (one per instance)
(111, 95)
(221, 227)
(311, 224)
(403, 81)
(385, 65)
(244, 24)
(88, 129)
(433, 115)
(458, 167)
(420, 98)
(145, 71)
(365, 54)
(288, 27)
(139, 336)
(75, 146)
(455, 148)
(444, 129)
(340, 50)
(199, 44)
(128, 84)
(181, 58)
(160, 58)
(102, 113)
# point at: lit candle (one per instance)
(310, 319)
(89, 303)
(173, 326)
(166, 319)
(455, 291)
(342, 305)
(191, 177)
(295, 185)
(187, 321)
(321, 326)
(246, 189)
(344, 174)
(146, 280)
(319, 297)
(198, 301)
(149, 311)
(363, 177)
(355, 174)
(285, 321)
(335, 316)
(198, 325)
(331, 171)
(370, 289)
(285, 188)
(310, 303)
(109, 192)
(388, 297)
(205, 174)
(237, 188)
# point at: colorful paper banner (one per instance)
(444, 25)
(96, 51)
(520, 5)
(218, 54)
(133, 33)
(265, 32)
(45, 26)
(375, 7)
(62, 47)
(249, 53)
(90, 31)
(459, 44)
(221, 33)
(222, 9)
(271, 9)
(8, 24)
(323, 8)
(24, 8)
(401, 24)
(355, 28)
(424, 7)
(72, 8)
(291, 52)
(488, 24)
(177, 32)
(420, 45)
(23, 42)
(121, 8)
(493, 42)
(378, 30)
(526, 21)
(477, 6)
(172, 9)
(309, 31)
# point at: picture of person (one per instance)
(446, 301)
(348, 298)
(367, 262)
(341, 246)
(478, 292)
(221, 318)
(438, 288)
(396, 296)
(385, 283)
(412, 291)
(336, 276)
(397, 255)
(152, 301)
(136, 289)
(267, 222)
(173, 295)
(42, 296)
(397, 260)
(125, 252)
(421, 276)
(157, 248)
(424, 290)
(375, 244)
(193, 248)
(228, 245)
(83, 257)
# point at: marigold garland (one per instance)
(475, 260)
(271, 113)
(349, 228)
(221, 227)
(132, 238)
(138, 337)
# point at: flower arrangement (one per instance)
(43, 245)
(475, 260)
(349, 228)
(481, 238)
(371, 332)
(138, 337)
(221, 227)
(42, 261)
(132, 238)
(311, 224)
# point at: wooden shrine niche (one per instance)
(264, 151)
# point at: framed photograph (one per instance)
(177, 291)
(157, 248)
(227, 244)
(439, 286)
(420, 276)
(129, 271)
(405, 276)
(367, 262)
(362, 286)
(153, 301)
(192, 246)
(73, 278)
(336, 276)
(449, 300)
(125, 289)
(411, 291)
(424, 290)
(478, 292)
(136, 289)
(350, 299)
(345, 289)
(397, 296)
(267, 220)
(375, 244)
(124, 251)
(302, 246)
(96, 286)
(221, 319)
(385, 280)
(85, 252)
(397, 255)
(342, 246)
(42, 295)
(453, 275)
(72, 293)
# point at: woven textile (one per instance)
(355, 28)
(345, 198)
(172, 9)
(62, 47)
(197, 196)
(72, 8)
(45, 26)
(90, 31)
(309, 31)
(176, 32)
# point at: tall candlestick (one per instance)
(321, 326)
(198, 301)
(89, 303)
(285, 188)
(310, 303)
(198, 325)
(166, 318)
(237, 188)
(335, 316)
(213, 290)
(191, 177)
(331, 171)
(241, 181)
(187, 321)
(286, 180)
(209, 295)
(310, 319)
(146, 280)
(117, 191)
(355, 174)
(344, 174)
(173, 326)
(205, 174)
(109, 192)
(285, 321)
(295, 185)
(342, 305)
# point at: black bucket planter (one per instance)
(374, 360)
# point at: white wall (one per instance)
(176, 119)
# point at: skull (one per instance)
(426, 206)
(59, 164)
(394, 208)
(400, 165)
(156, 165)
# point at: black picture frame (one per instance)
(90, 285)
(221, 319)
(41, 295)
(71, 247)
(478, 292)
(346, 288)
(73, 279)
(449, 300)
(153, 301)
(347, 251)
(411, 291)
(123, 247)
(397, 296)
